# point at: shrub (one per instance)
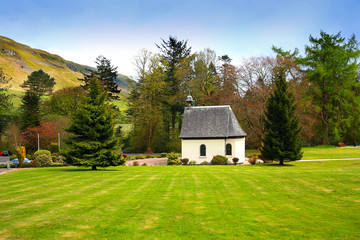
(140, 156)
(61, 160)
(27, 165)
(43, 160)
(133, 158)
(341, 144)
(42, 152)
(192, 162)
(219, 160)
(173, 156)
(185, 161)
(125, 156)
(205, 163)
(148, 156)
(252, 160)
(54, 148)
(163, 155)
(135, 163)
(235, 160)
(144, 164)
(128, 150)
(13, 156)
(173, 162)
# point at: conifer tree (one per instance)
(30, 110)
(281, 140)
(93, 127)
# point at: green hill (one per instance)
(18, 61)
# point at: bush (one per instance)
(192, 162)
(205, 163)
(185, 161)
(43, 160)
(148, 156)
(173, 156)
(133, 158)
(61, 160)
(253, 159)
(27, 165)
(54, 148)
(135, 163)
(42, 152)
(13, 156)
(235, 160)
(173, 162)
(163, 155)
(144, 164)
(341, 144)
(219, 160)
(140, 156)
(128, 150)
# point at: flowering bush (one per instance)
(219, 160)
(43, 160)
(235, 160)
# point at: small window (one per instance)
(202, 150)
(228, 149)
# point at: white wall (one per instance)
(190, 148)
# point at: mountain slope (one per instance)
(18, 61)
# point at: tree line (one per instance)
(325, 84)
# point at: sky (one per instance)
(80, 30)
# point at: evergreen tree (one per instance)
(93, 127)
(332, 68)
(281, 140)
(173, 53)
(107, 74)
(39, 83)
(5, 103)
(30, 110)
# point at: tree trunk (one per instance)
(281, 161)
(93, 167)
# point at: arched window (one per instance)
(228, 149)
(202, 150)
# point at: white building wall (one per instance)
(190, 148)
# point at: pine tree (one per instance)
(281, 140)
(93, 127)
(40, 83)
(30, 110)
(107, 74)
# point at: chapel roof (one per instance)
(210, 122)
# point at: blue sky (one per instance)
(80, 30)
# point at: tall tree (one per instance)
(173, 52)
(39, 83)
(30, 110)
(5, 103)
(93, 127)
(281, 140)
(146, 106)
(107, 74)
(331, 64)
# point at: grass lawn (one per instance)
(321, 152)
(309, 200)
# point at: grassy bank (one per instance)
(309, 200)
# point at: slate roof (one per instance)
(210, 122)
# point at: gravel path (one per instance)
(149, 162)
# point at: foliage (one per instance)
(66, 101)
(163, 154)
(184, 161)
(136, 163)
(42, 152)
(43, 160)
(106, 74)
(30, 110)
(219, 160)
(39, 83)
(93, 142)
(146, 106)
(204, 163)
(235, 160)
(144, 164)
(48, 133)
(5, 103)
(192, 162)
(332, 68)
(21, 152)
(173, 162)
(253, 159)
(281, 140)
(54, 147)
